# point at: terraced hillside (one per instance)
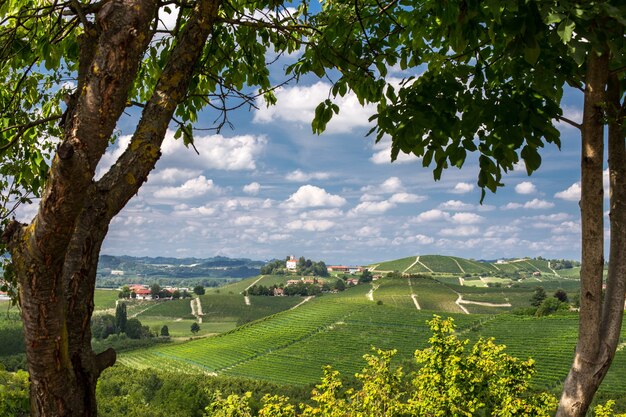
(447, 267)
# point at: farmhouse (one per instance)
(4, 296)
(352, 281)
(343, 268)
(143, 294)
(279, 292)
(536, 274)
(117, 272)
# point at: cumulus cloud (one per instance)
(368, 231)
(172, 175)
(534, 204)
(253, 188)
(461, 231)
(215, 152)
(570, 194)
(431, 216)
(310, 225)
(372, 207)
(322, 214)
(382, 154)
(297, 105)
(467, 218)
(389, 186)
(418, 239)
(455, 205)
(312, 196)
(300, 176)
(191, 188)
(462, 188)
(187, 211)
(404, 198)
(525, 187)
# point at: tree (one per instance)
(195, 327)
(366, 276)
(70, 70)
(549, 306)
(487, 86)
(155, 291)
(538, 296)
(120, 317)
(134, 328)
(561, 295)
(165, 331)
(198, 290)
(340, 285)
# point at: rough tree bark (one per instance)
(55, 256)
(600, 319)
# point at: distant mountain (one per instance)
(216, 267)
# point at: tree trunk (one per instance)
(600, 319)
(55, 257)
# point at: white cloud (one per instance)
(418, 239)
(512, 206)
(462, 188)
(389, 186)
(322, 214)
(215, 152)
(382, 154)
(186, 211)
(461, 231)
(297, 105)
(567, 228)
(299, 176)
(455, 205)
(467, 218)
(525, 187)
(570, 194)
(372, 207)
(192, 188)
(312, 196)
(536, 204)
(368, 231)
(503, 230)
(172, 175)
(310, 225)
(370, 197)
(253, 188)
(556, 217)
(405, 198)
(431, 216)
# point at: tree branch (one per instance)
(569, 121)
(21, 129)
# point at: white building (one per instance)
(291, 263)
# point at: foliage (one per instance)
(365, 277)
(550, 306)
(14, 393)
(165, 331)
(198, 290)
(449, 382)
(121, 317)
(276, 267)
(195, 328)
(538, 296)
(561, 295)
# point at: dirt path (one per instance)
(553, 271)
(424, 265)
(461, 281)
(417, 259)
(196, 309)
(310, 297)
(132, 316)
(459, 265)
(414, 296)
(246, 299)
(482, 303)
(458, 302)
(370, 294)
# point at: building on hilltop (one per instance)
(291, 263)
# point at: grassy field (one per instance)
(398, 265)
(104, 299)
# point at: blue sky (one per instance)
(270, 188)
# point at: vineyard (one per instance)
(292, 346)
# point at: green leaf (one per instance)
(565, 30)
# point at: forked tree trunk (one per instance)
(56, 256)
(600, 318)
